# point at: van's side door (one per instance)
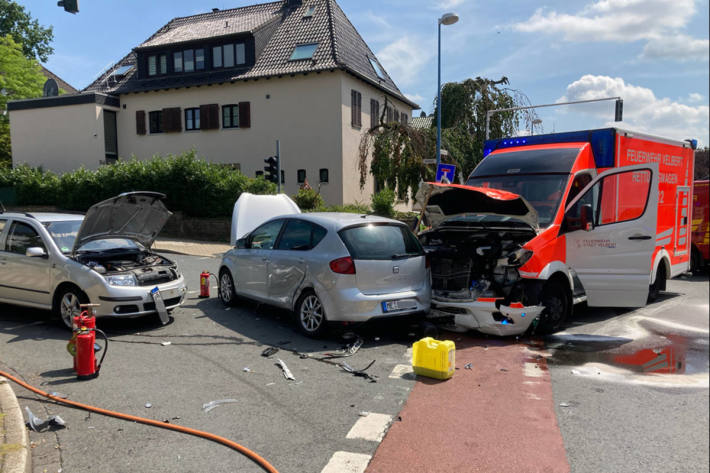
(612, 253)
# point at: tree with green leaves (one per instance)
(393, 153)
(34, 38)
(20, 78)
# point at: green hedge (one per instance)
(192, 185)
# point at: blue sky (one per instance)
(653, 53)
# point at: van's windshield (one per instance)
(542, 191)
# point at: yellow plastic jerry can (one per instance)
(434, 358)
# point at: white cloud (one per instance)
(404, 58)
(656, 21)
(680, 47)
(643, 111)
(446, 4)
(695, 97)
(417, 98)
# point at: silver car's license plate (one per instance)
(396, 306)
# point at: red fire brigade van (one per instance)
(548, 221)
(700, 252)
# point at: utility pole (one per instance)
(278, 166)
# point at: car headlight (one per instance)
(122, 280)
(519, 257)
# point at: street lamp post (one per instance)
(446, 19)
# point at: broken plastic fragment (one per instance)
(468, 366)
(165, 344)
(361, 373)
(286, 371)
(37, 424)
(269, 351)
(564, 404)
(208, 406)
(246, 369)
(148, 405)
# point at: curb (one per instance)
(14, 442)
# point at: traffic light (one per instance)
(72, 6)
(271, 171)
(619, 111)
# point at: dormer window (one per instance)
(157, 64)
(228, 55)
(304, 51)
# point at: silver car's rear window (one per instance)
(380, 241)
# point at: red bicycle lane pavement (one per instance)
(497, 416)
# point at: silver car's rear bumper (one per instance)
(351, 305)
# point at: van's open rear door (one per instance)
(612, 256)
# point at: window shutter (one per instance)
(172, 119)
(209, 116)
(140, 122)
(244, 115)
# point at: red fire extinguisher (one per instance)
(205, 283)
(83, 344)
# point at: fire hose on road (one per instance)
(186, 430)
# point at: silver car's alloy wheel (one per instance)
(226, 288)
(311, 313)
(69, 307)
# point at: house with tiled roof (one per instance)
(228, 83)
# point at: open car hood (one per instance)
(252, 210)
(444, 201)
(137, 216)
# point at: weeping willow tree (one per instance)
(397, 151)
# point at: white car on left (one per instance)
(57, 261)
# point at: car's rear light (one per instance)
(343, 265)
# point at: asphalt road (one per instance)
(612, 416)
(295, 425)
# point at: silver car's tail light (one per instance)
(344, 265)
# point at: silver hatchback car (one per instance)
(329, 267)
(58, 261)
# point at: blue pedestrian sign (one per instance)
(446, 173)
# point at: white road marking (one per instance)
(534, 397)
(532, 370)
(371, 427)
(347, 462)
(400, 371)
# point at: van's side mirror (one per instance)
(586, 218)
(35, 252)
(243, 243)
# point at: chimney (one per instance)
(215, 10)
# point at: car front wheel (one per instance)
(310, 315)
(68, 302)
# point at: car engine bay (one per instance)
(468, 263)
(148, 268)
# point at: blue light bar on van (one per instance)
(602, 142)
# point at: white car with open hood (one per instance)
(58, 261)
(326, 267)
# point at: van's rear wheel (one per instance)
(558, 304)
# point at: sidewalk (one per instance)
(14, 442)
(191, 247)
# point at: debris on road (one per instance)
(246, 369)
(37, 424)
(148, 405)
(165, 344)
(284, 368)
(349, 350)
(564, 404)
(361, 373)
(269, 351)
(364, 414)
(212, 404)
(468, 366)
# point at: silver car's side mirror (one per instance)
(35, 252)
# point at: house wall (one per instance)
(59, 139)
(301, 111)
(353, 135)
